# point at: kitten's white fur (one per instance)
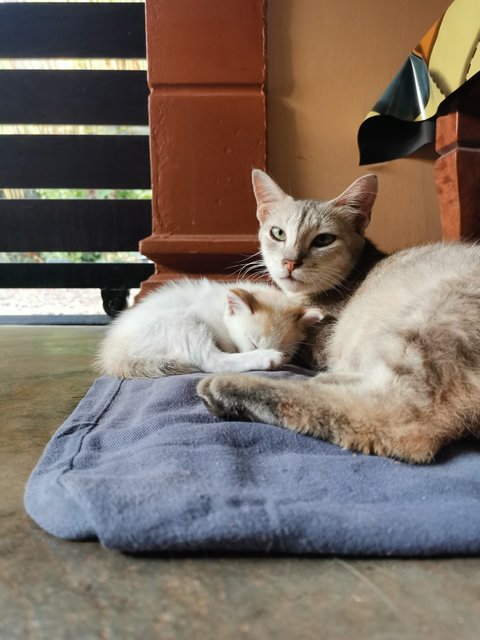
(192, 325)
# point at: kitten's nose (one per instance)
(292, 264)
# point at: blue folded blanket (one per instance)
(142, 466)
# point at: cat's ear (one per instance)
(312, 316)
(359, 198)
(240, 301)
(267, 193)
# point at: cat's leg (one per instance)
(345, 414)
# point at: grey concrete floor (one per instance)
(51, 589)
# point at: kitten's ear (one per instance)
(240, 300)
(267, 193)
(360, 197)
(311, 317)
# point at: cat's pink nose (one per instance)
(292, 265)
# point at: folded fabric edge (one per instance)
(54, 510)
(405, 138)
(45, 500)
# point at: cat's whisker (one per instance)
(251, 277)
(245, 269)
(333, 278)
(254, 265)
(254, 269)
(330, 278)
(250, 263)
(251, 255)
(256, 277)
(246, 259)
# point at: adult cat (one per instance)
(403, 356)
(193, 325)
(316, 251)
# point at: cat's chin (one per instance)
(290, 285)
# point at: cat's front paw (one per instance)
(239, 396)
(214, 391)
(266, 360)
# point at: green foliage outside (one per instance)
(93, 194)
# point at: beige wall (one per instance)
(324, 75)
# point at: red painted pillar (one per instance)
(206, 69)
(457, 170)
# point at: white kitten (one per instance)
(192, 325)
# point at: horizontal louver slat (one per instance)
(91, 162)
(73, 225)
(76, 30)
(73, 97)
(90, 275)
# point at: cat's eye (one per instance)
(323, 240)
(278, 234)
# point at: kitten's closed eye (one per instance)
(323, 240)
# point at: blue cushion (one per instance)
(143, 467)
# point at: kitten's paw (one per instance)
(267, 360)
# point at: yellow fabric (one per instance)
(403, 119)
(457, 41)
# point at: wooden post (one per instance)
(206, 69)
(458, 168)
